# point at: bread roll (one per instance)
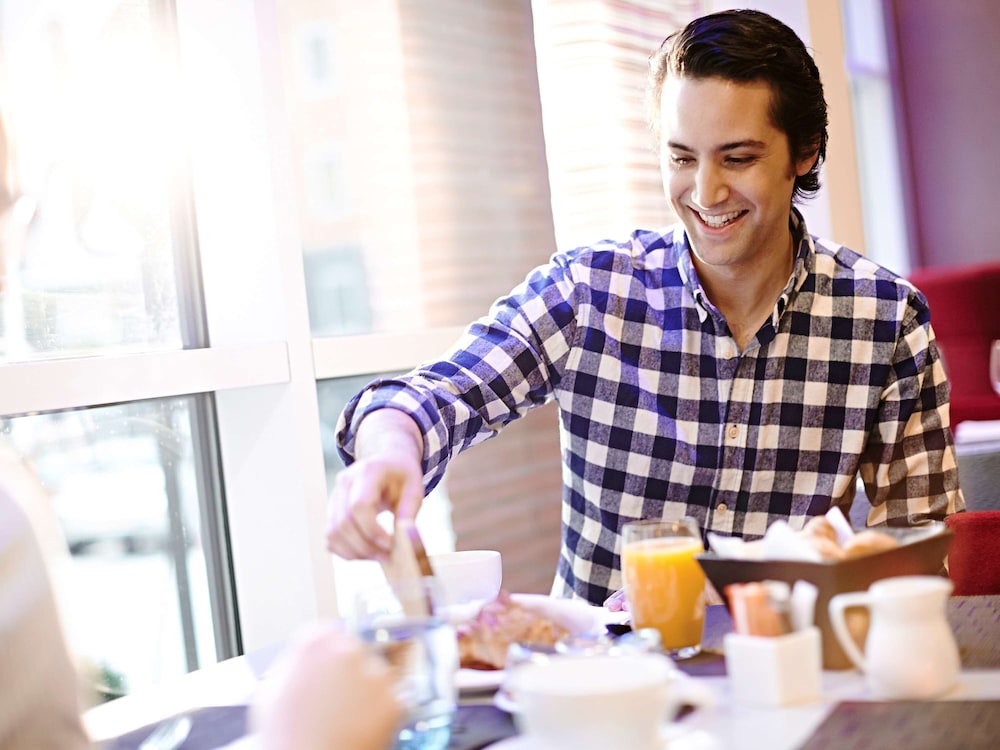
(868, 542)
(828, 549)
(820, 527)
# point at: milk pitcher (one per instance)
(910, 651)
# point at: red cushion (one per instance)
(965, 315)
(974, 554)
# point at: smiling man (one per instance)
(733, 367)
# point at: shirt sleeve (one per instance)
(909, 467)
(504, 364)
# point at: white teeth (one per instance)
(720, 220)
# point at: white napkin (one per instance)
(780, 542)
(977, 431)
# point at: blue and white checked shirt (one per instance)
(662, 416)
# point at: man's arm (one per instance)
(398, 435)
(909, 467)
(386, 475)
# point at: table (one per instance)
(222, 689)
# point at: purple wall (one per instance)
(946, 70)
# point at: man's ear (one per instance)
(806, 163)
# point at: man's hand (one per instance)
(386, 476)
(616, 602)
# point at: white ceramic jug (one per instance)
(910, 651)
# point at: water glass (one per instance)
(423, 650)
(664, 584)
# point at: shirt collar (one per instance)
(689, 275)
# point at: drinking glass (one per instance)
(422, 649)
(664, 584)
(995, 366)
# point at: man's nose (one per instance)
(710, 188)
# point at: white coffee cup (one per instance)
(468, 575)
(601, 701)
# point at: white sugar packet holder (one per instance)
(773, 672)
(786, 670)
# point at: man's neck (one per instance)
(746, 295)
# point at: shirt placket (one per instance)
(738, 391)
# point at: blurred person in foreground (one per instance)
(328, 691)
(40, 693)
(731, 367)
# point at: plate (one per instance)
(576, 615)
(503, 701)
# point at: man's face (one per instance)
(726, 170)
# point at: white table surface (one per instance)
(723, 726)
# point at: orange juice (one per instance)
(665, 587)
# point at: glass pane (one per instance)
(92, 139)
(135, 587)
(418, 205)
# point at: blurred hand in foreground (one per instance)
(327, 692)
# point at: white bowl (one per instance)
(468, 575)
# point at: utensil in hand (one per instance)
(406, 567)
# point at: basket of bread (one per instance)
(827, 553)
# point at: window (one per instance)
(127, 489)
(440, 183)
(136, 345)
(867, 64)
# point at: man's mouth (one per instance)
(717, 221)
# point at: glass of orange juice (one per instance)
(664, 584)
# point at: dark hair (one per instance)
(748, 46)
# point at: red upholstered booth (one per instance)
(965, 314)
(974, 554)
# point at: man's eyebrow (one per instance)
(748, 143)
(735, 145)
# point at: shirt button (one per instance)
(722, 507)
(734, 431)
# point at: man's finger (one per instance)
(345, 537)
(368, 493)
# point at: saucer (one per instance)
(503, 701)
(478, 680)
(673, 736)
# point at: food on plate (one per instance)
(483, 641)
(868, 542)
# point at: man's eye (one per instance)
(740, 160)
(680, 161)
